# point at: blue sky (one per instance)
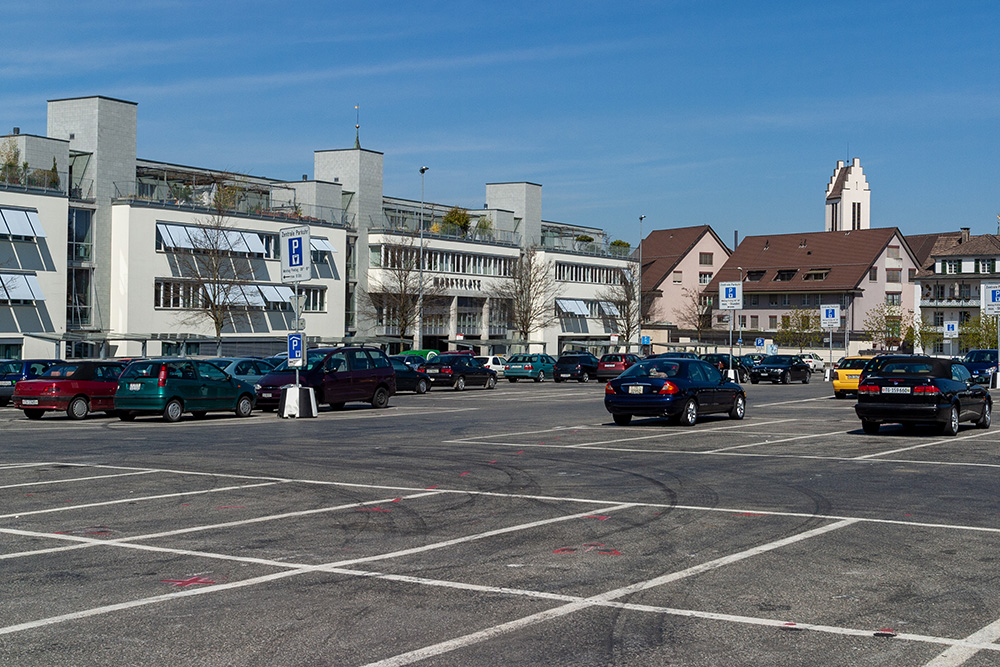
(691, 112)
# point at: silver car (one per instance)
(246, 369)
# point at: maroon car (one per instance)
(77, 387)
(614, 364)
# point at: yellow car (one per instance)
(847, 375)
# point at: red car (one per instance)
(614, 364)
(78, 387)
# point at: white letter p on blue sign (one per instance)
(995, 296)
(295, 251)
(730, 292)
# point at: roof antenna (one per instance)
(357, 127)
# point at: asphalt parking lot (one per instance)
(517, 526)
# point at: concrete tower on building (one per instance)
(848, 198)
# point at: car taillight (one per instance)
(529, 367)
(422, 368)
(506, 368)
(162, 381)
(868, 389)
(608, 389)
(578, 367)
(51, 389)
(669, 388)
(446, 369)
(929, 389)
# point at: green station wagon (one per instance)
(535, 367)
(171, 387)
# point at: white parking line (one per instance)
(959, 654)
(679, 433)
(920, 446)
(801, 400)
(77, 479)
(773, 442)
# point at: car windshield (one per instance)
(982, 357)
(142, 369)
(853, 364)
(60, 371)
(10, 367)
(518, 359)
(658, 368)
(777, 360)
(314, 359)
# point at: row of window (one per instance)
(569, 272)
(394, 256)
(954, 266)
(186, 295)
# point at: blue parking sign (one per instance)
(730, 292)
(295, 341)
(295, 251)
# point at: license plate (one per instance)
(267, 394)
(853, 377)
(134, 386)
(635, 389)
(607, 365)
(5, 383)
(565, 375)
(895, 390)
(29, 401)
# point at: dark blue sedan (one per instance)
(678, 389)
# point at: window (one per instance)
(678, 277)
(911, 274)
(939, 291)
(78, 299)
(893, 275)
(755, 276)
(892, 252)
(856, 215)
(80, 237)
(893, 298)
(986, 266)
(754, 321)
(772, 300)
(754, 299)
(873, 274)
(786, 321)
(953, 266)
(785, 275)
(743, 321)
(772, 321)
(816, 274)
(705, 258)
(315, 299)
(786, 300)
(176, 294)
(938, 318)
(704, 278)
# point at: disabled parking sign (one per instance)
(990, 298)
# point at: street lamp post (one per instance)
(641, 218)
(418, 336)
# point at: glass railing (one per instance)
(409, 223)
(13, 177)
(595, 249)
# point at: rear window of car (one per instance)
(779, 360)
(314, 359)
(140, 369)
(660, 368)
(571, 358)
(908, 368)
(10, 367)
(60, 371)
(612, 358)
(853, 364)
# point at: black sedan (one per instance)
(409, 378)
(782, 368)
(458, 371)
(679, 389)
(725, 361)
(912, 390)
(579, 366)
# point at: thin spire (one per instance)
(357, 127)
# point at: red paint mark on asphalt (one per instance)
(185, 504)
(395, 500)
(464, 474)
(541, 443)
(492, 461)
(29, 494)
(520, 452)
(907, 515)
(372, 509)
(599, 517)
(564, 550)
(187, 582)
(433, 487)
(613, 552)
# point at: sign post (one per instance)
(990, 305)
(950, 334)
(829, 319)
(296, 266)
(731, 298)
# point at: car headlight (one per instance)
(256, 387)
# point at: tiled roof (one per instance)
(987, 245)
(838, 187)
(844, 256)
(925, 246)
(664, 248)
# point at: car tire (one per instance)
(806, 379)
(987, 418)
(623, 420)
(555, 379)
(512, 379)
(689, 415)
(244, 406)
(752, 381)
(172, 411)
(540, 377)
(739, 408)
(869, 427)
(491, 382)
(459, 383)
(380, 399)
(33, 413)
(199, 414)
(78, 408)
(336, 406)
(786, 377)
(839, 394)
(950, 427)
(744, 377)
(421, 387)
(126, 416)
(585, 377)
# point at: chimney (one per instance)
(17, 130)
(965, 234)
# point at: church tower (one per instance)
(848, 198)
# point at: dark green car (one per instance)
(171, 387)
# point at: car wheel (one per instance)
(744, 377)
(511, 379)
(199, 414)
(752, 381)
(805, 380)
(623, 420)
(491, 382)
(336, 406)
(689, 415)
(77, 408)
(172, 411)
(585, 377)
(381, 398)
(421, 387)
(126, 416)
(950, 427)
(987, 418)
(33, 413)
(839, 394)
(555, 379)
(244, 406)
(786, 377)
(739, 408)
(460, 383)
(869, 426)
(540, 376)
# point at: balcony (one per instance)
(405, 221)
(949, 302)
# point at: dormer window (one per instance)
(755, 276)
(784, 275)
(816, 274)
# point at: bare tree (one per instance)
(217, 275)
(623, 294)
(393, 296)
(530, 291)
(800, 327)
(694, 314)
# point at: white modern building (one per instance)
(848, 198)
(96, 250)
